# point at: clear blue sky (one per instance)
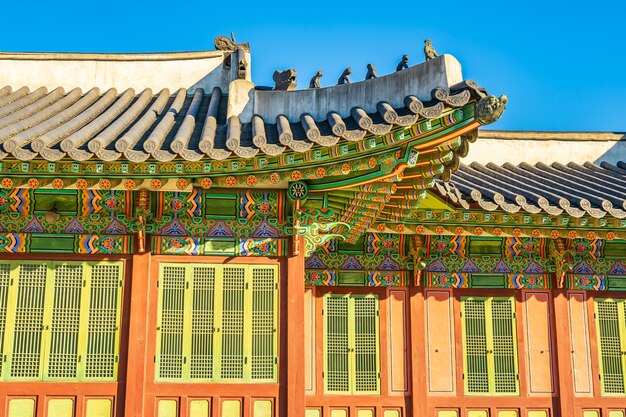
(561, 63)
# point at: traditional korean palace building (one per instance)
(178, 242)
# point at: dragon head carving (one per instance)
(489, 109)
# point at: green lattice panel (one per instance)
(611, 324)
(504, 346)
(170, 327)
(366, 372)
(5, 275)
(217, 323)
(337, 375)
(51, 325)
(26, 357)
(65, 325)
(475, 343)
(490, 346)
(263, 358)
(233, 303)
(202, 322)
(105, 297)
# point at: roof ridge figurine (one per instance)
(344, 78)
(404, 64)
(371, 72)
(315, 81)
(222, 43)
(489, 109)
(285, 80)
(429, 51)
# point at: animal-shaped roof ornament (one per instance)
(429, 51)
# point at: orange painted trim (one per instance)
(400, 168)
(438, 141)
(292, 399)
(417, 358)
(564, 382)
(137, 338)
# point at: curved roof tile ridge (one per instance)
(107, 136)
(88, 131)
(5, 91)
(607, 171)
(14, 96)
(22, 102)
(419, 81)
(34, 135)
(588, 189)
(563, 201)
(598, 181)
(141, 127)
(127, 142)
(580, 181)
(184, 132)
(572, 189)
(32, 108)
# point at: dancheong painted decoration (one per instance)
(176, 241)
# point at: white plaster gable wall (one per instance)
(139, 71)
(547, 147)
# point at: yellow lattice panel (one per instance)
(232, 326)
(366, 373)
(202, 322)
(62, 342)
(5, 276)
(104, 287)
(264, 324)
(217, 323)
(26, 356)
(489, 346)
(170, 323)
(336, 370)
(61, 320)
(611, 326)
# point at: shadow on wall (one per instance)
(614, 154)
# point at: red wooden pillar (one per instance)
(561, 340)
(418, 353)
(137, 339)
(292, 343)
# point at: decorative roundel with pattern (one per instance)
(81, 183)
(181, 184)
(129, 184)
(33, 183)
(57, 183)
(298, 190)
(206, 182)
(110, 202)
(155, 184)
(105, 184)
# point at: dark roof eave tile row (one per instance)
(138, 126)
(577, 190)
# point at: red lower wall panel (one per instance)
(61, 399)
